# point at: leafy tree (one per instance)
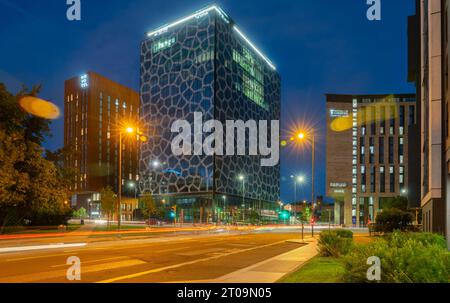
(81, 213)
(30, 189)
(108, 202)
(395, 202)
(254, 217)
(65, 174)
(392, 219)
(149, 208)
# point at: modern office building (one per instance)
(204, 63)
(367, 156)
(434, 102)
(95, 109)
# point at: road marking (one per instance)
(38, 247)
(93, 261)
(45, 276)
(143, 273)
(36, 257)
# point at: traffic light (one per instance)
(173, 212)
(313, 220)
(284, 215)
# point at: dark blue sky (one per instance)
(318, 46)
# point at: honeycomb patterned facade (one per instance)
(203, 65)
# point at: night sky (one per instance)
(318, 46)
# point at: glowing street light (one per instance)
(301, 136)
(156, 163)
(129, 130)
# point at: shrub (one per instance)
(405, 258)
(392, 219)
(334, 243)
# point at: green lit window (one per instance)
(162, 44)
(252, 77)
(204, 57)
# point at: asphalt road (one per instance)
(183, 258)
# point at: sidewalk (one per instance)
(273, 269)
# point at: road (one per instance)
(182, 258)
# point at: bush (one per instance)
(405, 258)
(392, 219)
(334, 243)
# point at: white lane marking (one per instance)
(61, 273)
(143, 273)
(93, 261)
(38, 247)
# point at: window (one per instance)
(392, 121)
(373, 118)
(362, 155)
(382, 179)
(162, 44)
(371, 150)
(381, 150)
(372, 179)
(412, 115)
(391, 150)
(400, 150)
(401, 178)
(392, 179)
(363, 179)
(382, 120)
(252, 76)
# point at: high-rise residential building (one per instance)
(367, 157)
(204, 63)
(434, 103)
(95, 109)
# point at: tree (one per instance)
(393, 219)
(65, 174)
(108, 202)
(149, 208)
(81, 213)
(30, 188)
(395, 202)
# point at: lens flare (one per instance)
(341, 124)
(40, 108)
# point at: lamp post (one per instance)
(224, 207)
(128, 130)
(242, 179)
(302, 136)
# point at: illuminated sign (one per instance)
(337, 113)
(338, 185)
(162, 44)
(84, 81)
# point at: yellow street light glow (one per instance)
(130, 130)
(301, 136)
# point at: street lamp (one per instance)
(297, 180)
(133, 185)
(242, 179)
(303, 136)
(128, 131)
(224, 206)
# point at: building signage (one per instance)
(337, 113)
(84, 81)
(338, 185)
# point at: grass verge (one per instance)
(317, 270)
